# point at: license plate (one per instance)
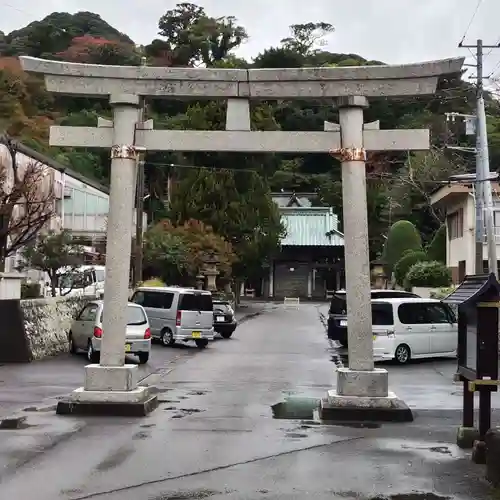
(196, 335)
(343, 322)
(128, 347)
(219, 318)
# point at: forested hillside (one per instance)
(234, 187)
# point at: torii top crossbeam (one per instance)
(209, 83)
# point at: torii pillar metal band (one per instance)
(361, 387)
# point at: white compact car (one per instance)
(406, 328)
(86, 332)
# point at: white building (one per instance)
(457, 202)
(81, 204)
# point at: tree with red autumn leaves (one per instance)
(177, 253)
(96, 50)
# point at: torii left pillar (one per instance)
(111, 387)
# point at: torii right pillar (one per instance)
(362, 391)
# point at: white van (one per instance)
(82, 281)
(178, 314)
(411, 328)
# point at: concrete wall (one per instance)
(47, 322)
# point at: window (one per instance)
(456, 224)
(413, 314)
(382, 314)
(195, 302)
(155, 300)
(437, 313)
(89, 313)
(222, 307)
(135, 316)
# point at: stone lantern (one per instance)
(379, 279)
(200, 281)
(210, 271)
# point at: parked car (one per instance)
(337, 314)
(406, 328)
(86, 332)
(224, 321)
(178, 314)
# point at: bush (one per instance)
(30, 291)
(403, 236)
(404, 264)
(429, 274)
(437, 247)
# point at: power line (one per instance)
(471, 20)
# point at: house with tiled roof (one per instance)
(310, 262)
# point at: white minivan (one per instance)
(411, 328)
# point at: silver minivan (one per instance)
(178, 314)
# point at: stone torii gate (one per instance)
(359, 386)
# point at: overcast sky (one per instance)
(393, 31)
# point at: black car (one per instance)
(224, 320)
(337, 314)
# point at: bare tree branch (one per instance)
(27, 201)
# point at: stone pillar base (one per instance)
(466, 436)
(109, 390)
(372, 383)
(341, 408)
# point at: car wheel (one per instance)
(167, 338)
(226, 335)
(72, 347)
(143, 357)
(92, 355)
(402, 354)
(201, 343)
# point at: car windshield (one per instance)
(222, 307)
(135, 316)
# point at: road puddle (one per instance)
(296, 407)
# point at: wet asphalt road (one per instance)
(213, 435)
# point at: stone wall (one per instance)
(47, 323)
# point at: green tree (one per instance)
(305, 38)
(403, 236)
(238, 205)
(54, 34)
(192, 37)
(404, 264)
(52, 252)
(165, 254)
(436, 249)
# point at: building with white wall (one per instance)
(457, 203)
(81, 204)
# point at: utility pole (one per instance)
(139, 204)
(484, 195)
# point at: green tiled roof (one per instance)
(306, 226)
